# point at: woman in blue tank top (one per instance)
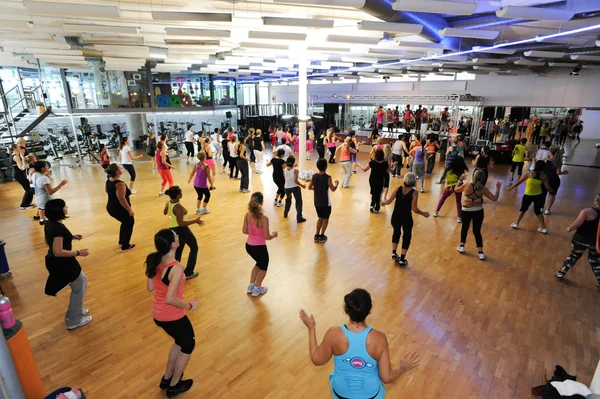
(361, 356)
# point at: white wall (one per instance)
(560, 91)
(591, 125)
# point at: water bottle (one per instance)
(7, 318)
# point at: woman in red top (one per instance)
(166, 277)
(273, 136)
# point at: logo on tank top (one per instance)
(357, 363)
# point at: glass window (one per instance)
(193, 90)
(53, 87)
(225, 91)
(12, 89)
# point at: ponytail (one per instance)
(163, 241)
(255, 206)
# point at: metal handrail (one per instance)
(18, 102)
(5, 93)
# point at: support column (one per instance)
(302, 110)
(9, 380)
(79, 157)
(136, 127)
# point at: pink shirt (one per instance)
(161, 310)
(345, 154)
(159, 162)
(256, 236)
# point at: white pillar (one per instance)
(9, 380)
(302, 110)
(80, 158)
(155, 123)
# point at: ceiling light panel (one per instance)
(486, 50)
(263, 46)
(485, 68)
(576, 41)
(544, 54)
(591, 66)
(586, 57)
(72, 9)
(563, 64)
(276, 35)
(535, 13)
(499, 61)
(330, 3)
(89, 28)
(329, 49)
(435, 6)
(191, 16)
(526, 62)
(352, 39)
(383, 51)
(378, 26)
(470, 33)
(197, 32)
(298, 22)
(425, 45)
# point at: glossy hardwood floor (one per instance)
(486, 329)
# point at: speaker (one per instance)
(331, 108)
(228, 115)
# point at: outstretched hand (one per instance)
(411, 361)
(309, 321)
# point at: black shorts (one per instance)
(323, 212)
(260, 255)
(181, 331)
(538, 202)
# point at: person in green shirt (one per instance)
(519, 153)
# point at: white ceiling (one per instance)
(126, 34)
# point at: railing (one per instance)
(9, 116)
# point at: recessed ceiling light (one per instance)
(298, 22)
(191, 16)
(470, 33)
(72, 9)
(535, 13)
(435, 7)
(378, 26)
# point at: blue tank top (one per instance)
(355, 373)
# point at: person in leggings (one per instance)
(533, 194)
(127, 162)
(164, 167)
(189, 145)
(178, 224)
(379, 167)
(518, 159)
(587, 232)
(233, 158)
(453, 173)
(472, 209)
(202, 173)
(482, 161)
(321, 139)
(119, 205)
(243, 166)
(278, 178)
(361, 355)
(331, 144)
(166, 278)
(19, 168)
(225, 149)
(406, 202)
(256, 227)
(553, 171)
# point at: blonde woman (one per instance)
(346, 151)
(377, 146)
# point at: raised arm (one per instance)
(474, 162)
(493, 197)
(319, 354)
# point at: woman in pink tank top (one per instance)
(166, 278)
(256, 226)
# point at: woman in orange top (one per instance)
(166, 278)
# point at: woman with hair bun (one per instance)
(176, 213)
(406, 202)
(119, 205)
(62, 265)
(361, 356)
(256, 226)
(472, 208)
(166, 278)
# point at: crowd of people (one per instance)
(411, 158)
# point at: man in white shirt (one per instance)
(189, 145)
(285, 148)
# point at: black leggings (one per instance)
(260, 255)
(280, 188)
(233, 165)
(126, 229)
(186, 237)
(20, 177)
(321, 151)
(203, 192)
(405, 224)
(131, 170)
(477, 218)
(537, 201)
(181, 331)
(245, 170)
(226, 159)
(331, 154)
(398, 167)
(516, 165)
(189, 146)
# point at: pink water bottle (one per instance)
(7, 318)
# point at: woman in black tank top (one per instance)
(119, 205)
(585, 237)
(406, 202)
(482, 161)
(20, 175)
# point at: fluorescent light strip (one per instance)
(470, 33)
(352, 39)
(298, 22)
(535, 13)
(485, 68)
(72, 9)
(526, 62)
(565, 40)
(330, 3)
(264, 46)
(478, 50)
(377, 26)
(586, 57)
(591, 66)
(329, 49)
(544, 54)
(421, 45)
(90, 28)
(276, 36)
(563, 64)
(191, 16)
(197, 32)
(435, 7)
(491, 50)
(499, 61)
(383, 51)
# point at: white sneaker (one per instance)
(161, 194)
(250, 288)
(84, 320)
(259, 290)
(547, 212)
(514, 225)
(275, 202)
(280, 204)
(461, 249)
(458, 220)
(154, 171)
(204, 211)
(481, 256)
(422, 190)
(435, 214)
(543, 230)
(198, 211)
(133, 191)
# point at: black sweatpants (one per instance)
(477, 218)
(21, 178)
(245, 170)
(233, 165)
(126, 229)
(321, 151)
(402, 226)
(186, 237)
(297, 193)
(181, 331)
(189, 146)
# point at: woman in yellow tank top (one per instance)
(176, 213)
(533, 194)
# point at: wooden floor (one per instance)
(487, 329)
